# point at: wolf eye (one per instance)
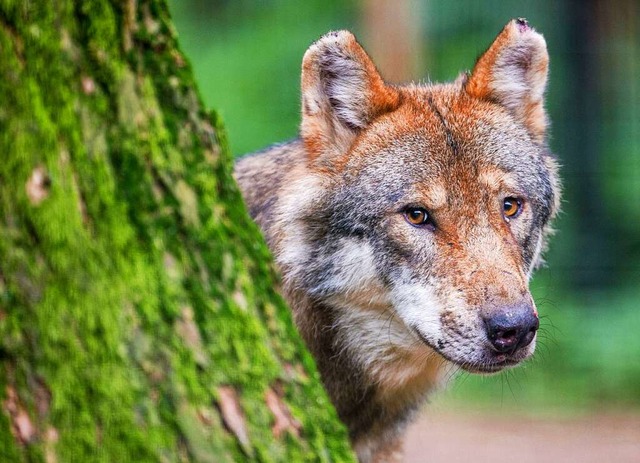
(512, 207)
(417, 216)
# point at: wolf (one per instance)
(406, 222)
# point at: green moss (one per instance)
(137, 285)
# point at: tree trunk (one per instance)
(393, 36)
(138, 316)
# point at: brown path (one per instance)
(478, 438)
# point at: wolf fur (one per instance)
(387, 307)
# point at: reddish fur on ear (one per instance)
(513, 73)
(342, 93)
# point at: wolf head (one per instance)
(425, 206)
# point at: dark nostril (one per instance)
(530, 332)
(511, 329)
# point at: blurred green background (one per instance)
(247, 53)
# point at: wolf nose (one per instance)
(512, 328)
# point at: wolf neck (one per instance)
(398, 367)
(375, 372)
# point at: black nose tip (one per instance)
(512, 328)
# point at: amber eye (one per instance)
(417, 216)
(512, 207)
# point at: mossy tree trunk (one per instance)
(138, 319)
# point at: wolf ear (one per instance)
(342, 93)
(513, 73)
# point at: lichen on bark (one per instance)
(133, 286)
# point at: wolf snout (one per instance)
(511, 328)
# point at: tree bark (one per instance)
(138, 315)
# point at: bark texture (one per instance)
(138, 316)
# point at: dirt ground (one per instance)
(478, 438)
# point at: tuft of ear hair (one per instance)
(513, 73)
(342, 93)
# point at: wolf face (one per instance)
(439, 213)
(407, 221)
(435, 200)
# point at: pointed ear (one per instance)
(342, 93)
(513, 73)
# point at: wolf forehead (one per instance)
(442, 142)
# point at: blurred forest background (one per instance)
(247, 53)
